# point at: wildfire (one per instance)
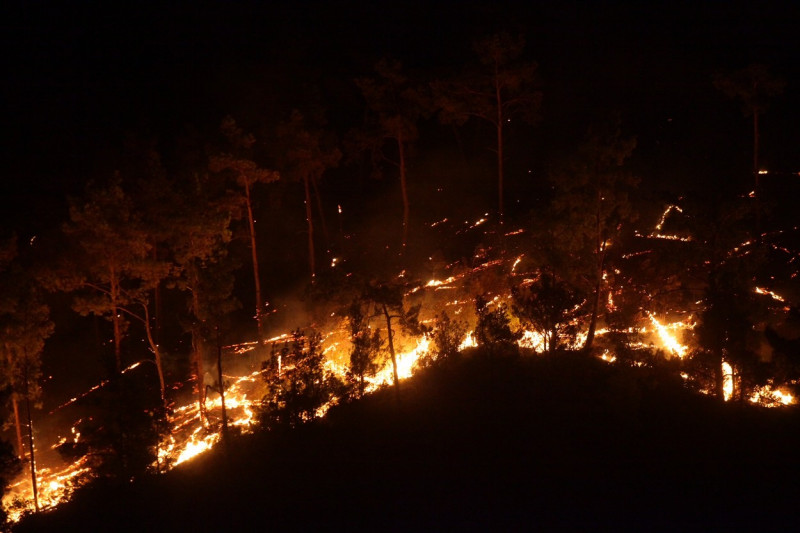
(193, 433)
(769, 397)
(668, 340)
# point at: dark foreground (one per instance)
(485, 445)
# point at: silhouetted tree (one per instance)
(388, 301)
(366, 345)
(24, 327)
(493, 330)
(10, 466)
(305, 154)
(550, 307)
(109, 271)
(752, 86)
(246, 174)
(121, 438)
(298, 383)
(447, 335)
(593, 206)
(397, 105)
(502, 90)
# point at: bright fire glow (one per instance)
(668, 340)
(727, 381)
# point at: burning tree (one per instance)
(550, 307)
(9, 467)
(120, 439)
(493, 330)
(24, 327)
(593, 208)
(199, 220)
(447, 335)
(389, 305)
(298, 384)
(366, 346)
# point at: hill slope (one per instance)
(507, 444)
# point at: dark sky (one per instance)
(79, 75)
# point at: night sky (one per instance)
(78, 78)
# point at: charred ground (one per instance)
(503, 443)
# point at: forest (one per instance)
(375, 262)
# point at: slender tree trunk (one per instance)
(321, 211)
(757, 190)
(254, 252)
(157, 354)
(311, 259)
(755, 147)
(197, 363)
(221, 387)
(403, 186)
(719, 378)
(390, 336)
(34, 484)
(157, 303)
(18, 426)
(499, 103)
(596, 298)
(116, 320)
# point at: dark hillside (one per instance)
(561, 443)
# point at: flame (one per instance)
(770, 397)
(776, 297)
(668, 340)
(727, 381)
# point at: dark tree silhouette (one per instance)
(24, 327)
(593, 204)
(110, 268)
(493, 330)
(503, 89)
(298, 383)
(366, 346)
(752, 86)
(550, 307)
(447, 335)
(246, 174)
(305, 154)
(397, 105)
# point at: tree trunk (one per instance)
(254, 252)
(499, 103)
(157, 303)
(595, 301)
(403, 186)
(197, 363)
(221, 387)
(18, 426)
(157, 354)
(390, 336)
(755, 147)
(321, 211)
(116, 319)
(719, 378)
(311, 261)
(34, 484)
